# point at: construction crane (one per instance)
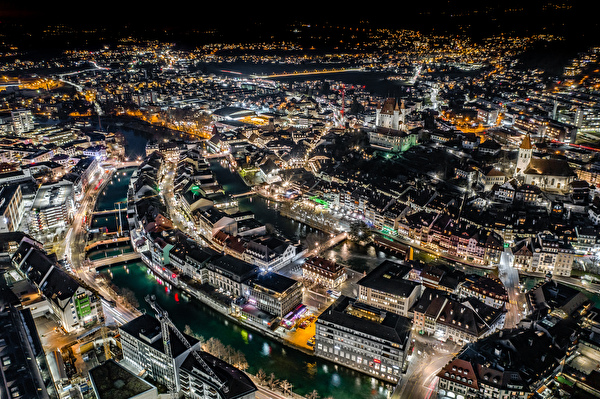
(107, 353)
(165, 323)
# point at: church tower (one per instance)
(525, 153)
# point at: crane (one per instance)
(165, 323)
(104, 332)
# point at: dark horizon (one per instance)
(269, 21)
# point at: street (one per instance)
(428, 357)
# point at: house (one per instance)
(489, 147)
(490, 176)
(325, 272)
(269, 253)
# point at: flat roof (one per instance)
(393, 327)
(389, 277)
(112, 381)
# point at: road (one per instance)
(510, 279)
(73, 249)
(420, 379)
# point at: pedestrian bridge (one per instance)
(94, 264)
(105, 242)
(240, 195)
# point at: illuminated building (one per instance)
(22, 120)
(273, 293)
(11, 208)
(525, 152)
(73, 305)
(392, 140)
(549, 174)
(390, 115)
(325, 272)
(144, 349)
(364, 338)
(52, 208)
(387, 287)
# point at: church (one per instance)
(547, 174)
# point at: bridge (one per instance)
(300, 73)
(105, 242)
(108, 211)
(121, 258)
(240, 195)
(217, 155)
(390, 245)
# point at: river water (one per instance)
(305, 372)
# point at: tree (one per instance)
(240, 361)
(188, 330)
(215, 348)
(286, 387)
(359, 231)
(272, 381)
(313, 395)
(326, 88)
(129, 297)
(356, 107)
(261, 376)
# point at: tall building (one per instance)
(364, 338)
(144, 349)
(22, 120)
(24, 371)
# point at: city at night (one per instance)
(299, 200)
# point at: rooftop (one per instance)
(112, 381)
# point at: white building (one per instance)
(22, 120)
(550, 255)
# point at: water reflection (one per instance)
(266, 349)
(336, 380)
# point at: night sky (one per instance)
(248, 20)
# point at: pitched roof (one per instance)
(526, 143)
(549, 167)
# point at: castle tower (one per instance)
(387, 115)
(525, 153)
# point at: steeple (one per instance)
(526, 143)
(525, 153)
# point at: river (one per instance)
(305, 372)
